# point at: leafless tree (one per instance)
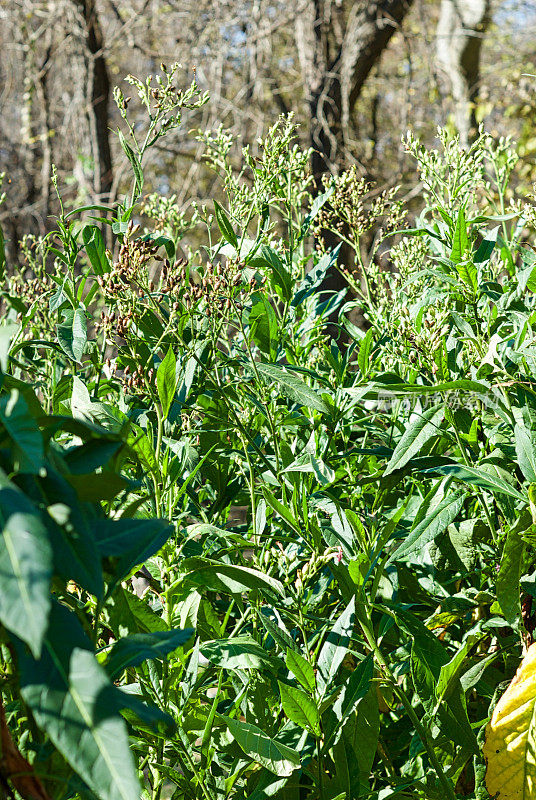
(338, 45)
(460, 31)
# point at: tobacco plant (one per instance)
(264, 551)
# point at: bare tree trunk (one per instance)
(99, 83)
(338, 45)
(460, 30)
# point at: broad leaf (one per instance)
(293, 387)
(166, 380)
(510, 746)
(21, 428)
(241, 652)
(300, 708)
(227, 578)
(25, 568)
(301, 669)
(131, 651)
(73, 701)
(72, 333)
(419, 432)
(459, 240)
(224, 224)
(336, 644)
(526, 452)
(441, 515)
(275, 756)
(479, 477)
(95, 249)
(131, 541)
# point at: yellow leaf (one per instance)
(510, 748)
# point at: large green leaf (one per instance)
(335, 646)
(135, 164)
(240, 652)
(357, 685)
(440, 515)
(479, 477)
(25, 568)
(262, 321)
(300, 708)
(459, 239)
(95, 249)
(293, 387)
(72, 333)
(510, 571)
(133, 650)
(225, 226)
(526, 451)
(21, 427)
(275, 756)
(73, 701)
(227, 578)
(419, 432)
(301, 669)
(131, 541)
(166, 380)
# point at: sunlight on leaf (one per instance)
(510, 748)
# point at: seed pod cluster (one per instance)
(220, 286)
(130, 268)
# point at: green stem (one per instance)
(366, 627)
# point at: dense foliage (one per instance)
(251, 549)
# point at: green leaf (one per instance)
(73, 701)
(126, 613)
(510, 571)
(166, 380)
(293, 387)
(478, 477)
(526, 452)
(226, 229)
(316, 205)
(135, 163)
(280, 509)
(227, 578)
(275, 756)
(143, 717)
(131, 651)
(365, 349)
(262, 321)
(301, 669)
(300, 708)
(94, 487)
(72, 333)
(335, 646)
(239, 653)
(131, 541)
(7, 333)
(440, 517)
(316, 276)
(468, 273)
(416, 435)
(462, 384)
(25, 568)
(354, 690)
(95, 249)
(459, 239)
(267, 258)
(21, 428)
